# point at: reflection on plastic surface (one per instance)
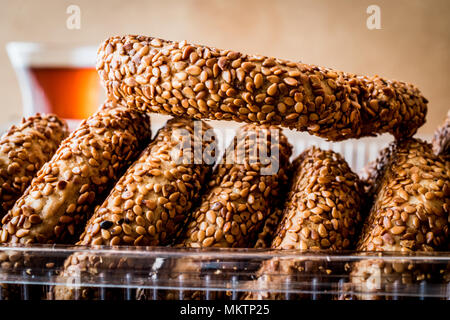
(129, 273)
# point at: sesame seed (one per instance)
(64, 175)
(389, 106)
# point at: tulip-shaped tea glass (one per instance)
(56, 78)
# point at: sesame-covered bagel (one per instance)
(148, 205)
(23, 151)
(206, 83)
(240, 195)
(441, 139)
(322, 213)
(410, 213)
(441, 146)
(65, 191)
(411, 206)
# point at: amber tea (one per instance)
(70, 92)
(57, 78)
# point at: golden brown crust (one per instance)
(206, 83)
(23, 151)
(63, 194)
(410, 213)
(411, 206)
(269, 228)
(322, 213)
(240, 196)
(147, 206)
(149, 203)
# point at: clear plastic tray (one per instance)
(130, 273)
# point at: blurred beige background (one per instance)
(413, 44)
